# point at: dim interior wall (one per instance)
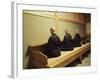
(71, 28)
(36, 31)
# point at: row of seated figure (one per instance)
(54, 45)
(69, 43)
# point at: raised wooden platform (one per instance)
(68, 56)
(39, 60)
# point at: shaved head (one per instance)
(66, 31)
(77, 31)
(52, 30)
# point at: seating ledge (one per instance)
(66, 57)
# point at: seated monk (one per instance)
(77, 39)
(52, 48)
(67, 43)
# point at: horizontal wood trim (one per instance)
(56, 17)
(46, 16)
(67, 20)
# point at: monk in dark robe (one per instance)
(53, 46)
(67, 43)
(77, 39)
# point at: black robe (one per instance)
(77, 40)
(67, 43)
(53, 46)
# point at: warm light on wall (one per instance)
(37, 24)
